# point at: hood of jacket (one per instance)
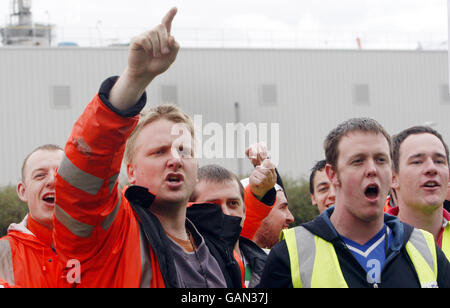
(21, 226)
(20, 232)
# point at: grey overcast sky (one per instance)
(384, 22)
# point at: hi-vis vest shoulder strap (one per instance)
(314, 263)
(446, 241)
(421, 249)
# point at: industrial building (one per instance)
(22, 30)
(293, 97)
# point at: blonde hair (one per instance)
(165, 111)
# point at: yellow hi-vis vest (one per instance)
(314, 263)
(446, 241)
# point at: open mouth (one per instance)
(431, 184)
(174, 178)
(49, 198)
(372, 191)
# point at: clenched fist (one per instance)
(263, 178)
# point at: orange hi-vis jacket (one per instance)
(5, 285)
(110, 236)
(94, 224)
(255, 212)
(27, 258)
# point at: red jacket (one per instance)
(387, 204)
(27, 258)
(112, 236)
(255, 212)
(94, 224)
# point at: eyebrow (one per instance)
(420, 155)
(284, 204)
(365, 155)
(358, 155)
(33, 172)
(39, 170)
(322, 184)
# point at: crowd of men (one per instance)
(180, 226)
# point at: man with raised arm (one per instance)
(265, 199)
(140, 237)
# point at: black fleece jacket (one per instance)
(221, 233)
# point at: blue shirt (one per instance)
(372, 254)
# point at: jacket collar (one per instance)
(213, 223)
(208, 218)
(31, 232)
(139, 195)
(322, 226)
(41, 232)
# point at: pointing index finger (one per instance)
(167, 20)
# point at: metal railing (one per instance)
(253, 38)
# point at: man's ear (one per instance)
(131, 173)
(395, 184)
(21, 191)
(332, 175)
(313, 199)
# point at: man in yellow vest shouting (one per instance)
(421, 174)
(354, 244)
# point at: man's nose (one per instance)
(289, 218)
(430, 167)
(371, 168)
(174, 161)
(51, 178)
(225, 209)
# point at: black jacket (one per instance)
(140, 199)
(221, 232)
(447, 205)
(398, 270)
(256, 257)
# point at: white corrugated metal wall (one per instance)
(314, 92)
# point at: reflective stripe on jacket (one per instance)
(94, 224)
(314, 263)
(443, 239)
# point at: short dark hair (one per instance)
(217, 174)
(319, 166)
(398, 139)
(331, 142)
(45, 147)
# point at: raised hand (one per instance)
(257, 153)
(263, 178)
(150, 54)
